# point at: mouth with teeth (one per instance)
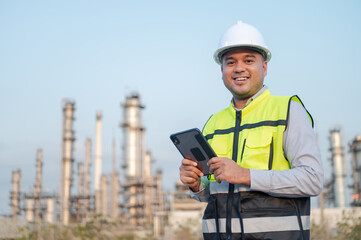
(240, 79)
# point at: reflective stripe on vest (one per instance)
(258, 225)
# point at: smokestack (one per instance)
(67, 161)
(339, 166)
(37, 186)
(98, 161)
(87, 175)
(15, 194)
(98, 151)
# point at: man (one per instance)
(268, 162)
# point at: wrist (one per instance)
(247, 177)
(195, 187)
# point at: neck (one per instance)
(240, 103)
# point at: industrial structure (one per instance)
(66, 177)
(115, 184)
(38, 204)
(15, 193)
(98, 163)
(355, 149)
(132, 192)
(185, 212)
(337, 186)
(143, 199)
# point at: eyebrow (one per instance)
(246, 56)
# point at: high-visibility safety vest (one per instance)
(253, 137)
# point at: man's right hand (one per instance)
(190, 174)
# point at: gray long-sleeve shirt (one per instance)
(305, 178)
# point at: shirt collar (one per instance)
(264, 88)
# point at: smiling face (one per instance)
(243, 72)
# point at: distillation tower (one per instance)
(33, 199)
(339, 169)
(141, 194)
(39, 205)
(67, 161)
(82, 199)
(38, 181)
(355, 149)
(15, 194)
(87, 164)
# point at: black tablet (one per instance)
(193, 145)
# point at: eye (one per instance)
(230, 63)
(249, 61)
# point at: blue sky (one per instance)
(97, 52)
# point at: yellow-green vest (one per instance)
(261, 126)
(253, 137)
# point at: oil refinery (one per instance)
(133, 195)
(135, 198)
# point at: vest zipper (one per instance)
(231, 186)
(270, 160)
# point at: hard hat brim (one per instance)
(218, 55)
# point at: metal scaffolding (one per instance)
(15, 194)
(67, 161)
(338, 182)
(142, 195)
(87, 163)
(114, 202)
(355, 149)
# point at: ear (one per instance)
(265, 67)
(222, 68)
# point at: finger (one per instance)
(190, 165)
(191, 171)
(218, 178)
(189, 178)
(213, 161)
(214, 166)
(189, 162)
(189, 182)
(218, 175)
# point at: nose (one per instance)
(239, 68)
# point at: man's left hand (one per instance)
(228, 170)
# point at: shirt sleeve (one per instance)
(300, 146)
(203, 194)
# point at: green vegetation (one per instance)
(96, 228)
(189, 230)
(349, 228)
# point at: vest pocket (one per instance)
(221, 145)
(257, 151)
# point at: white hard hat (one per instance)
(241, 35)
